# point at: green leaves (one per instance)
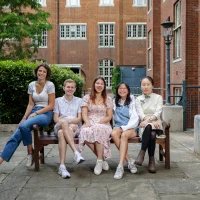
(20, 21)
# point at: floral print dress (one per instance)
(96, 132)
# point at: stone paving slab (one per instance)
(182, 181)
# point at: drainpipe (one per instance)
(58, 33)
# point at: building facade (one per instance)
(184, 50)
(95, 35)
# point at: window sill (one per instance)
(177, 60)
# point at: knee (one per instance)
(124, 136)
(60, 134)
(114, 134)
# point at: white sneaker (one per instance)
(119, 172)
(105, 166)
(131, 166)
(29, 160)
(62, 171)
(98, 168)
(78, 158)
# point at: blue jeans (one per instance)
(23, 133)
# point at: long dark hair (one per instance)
(128, 98)
(93, 91)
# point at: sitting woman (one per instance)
(96, 130)
(39, 111)
(125, 122)
(149, 107)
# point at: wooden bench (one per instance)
(41, 139)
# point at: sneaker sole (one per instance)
(64, 177)
(81, 160)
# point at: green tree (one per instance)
(21, 23)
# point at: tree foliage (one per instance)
(21, 22)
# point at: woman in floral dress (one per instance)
(96, 130)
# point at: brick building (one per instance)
(184, 49)
(95, 35)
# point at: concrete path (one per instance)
(181, 182)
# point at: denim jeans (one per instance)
(23, 133)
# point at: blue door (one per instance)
(132, 76)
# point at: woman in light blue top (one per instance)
(38, 111)
(125, 122)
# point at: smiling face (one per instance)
(146, 86)
(69, 88)
(99, 86)
(41, 73)
(123, 91)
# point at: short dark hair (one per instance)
(46, 67)
(149, 78)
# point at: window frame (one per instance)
(43, 3)
(104, 37)
(177, 30)
(82, 30)
(102, 3)
(149, 50)
(73, 5)
(105, 71)
(44, 39)
(137, 4)
(129, 28)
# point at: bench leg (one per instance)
(36, 160)
(42, 155)
(160, 153)
(167, 150)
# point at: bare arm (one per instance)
(108, 117)
(85, 116)
(28, 108)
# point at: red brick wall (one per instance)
(86, 52)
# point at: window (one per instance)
(177, 30)
(148, 5)
(72, 31)
(73, 3)
(43, 42)
(42, 3)
(136, 31)
(139, 2)
(105, 71)
(106, 35)
(106, 3)
(149, 51)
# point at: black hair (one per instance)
(149, 78)
(128, 98)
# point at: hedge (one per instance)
(14, 80)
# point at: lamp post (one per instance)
(167, 34)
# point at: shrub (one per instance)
(14, 79)
(116, 78)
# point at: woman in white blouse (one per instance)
(149, 107)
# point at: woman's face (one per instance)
(123, 91)
(99, 86)
(146, 86)
(41, 73)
